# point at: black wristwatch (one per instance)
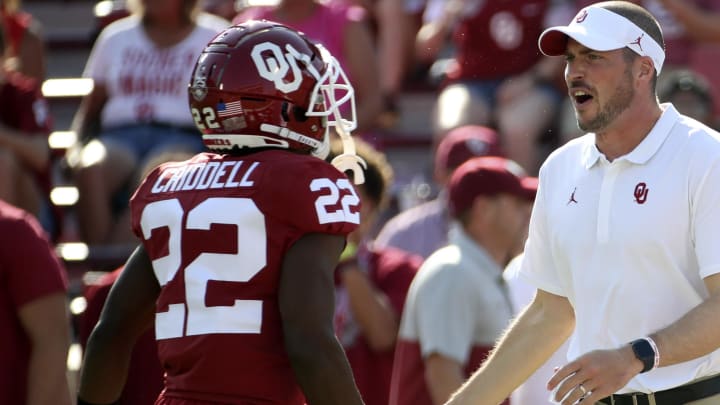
(644, 352)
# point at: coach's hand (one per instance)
(594, 375)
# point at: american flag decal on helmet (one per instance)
(228, 109)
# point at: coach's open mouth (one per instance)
(581, 97)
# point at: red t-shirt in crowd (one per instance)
(16, 25)
(29, 270)
(499, 40)
(23, 107)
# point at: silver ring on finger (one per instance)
(582, 388)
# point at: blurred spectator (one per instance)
(371, 286)
(25, 47)
(495, 76)
(685, 24)
(396, 30)
(24, 150)
(145, 374)
(222, 8)
(343, 30)
(424, 228)
(458, 303)
(141, 65)
(35, 332)
(689, 92)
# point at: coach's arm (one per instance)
(519, 352)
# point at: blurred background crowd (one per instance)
(95, 94)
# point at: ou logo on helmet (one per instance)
(275, 65)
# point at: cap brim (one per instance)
(553, 41)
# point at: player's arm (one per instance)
(519, 352)
(128, 312)
(47, 325)
(307, 305)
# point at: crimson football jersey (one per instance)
(217, 228)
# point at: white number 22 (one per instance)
(244, 316)
(324, 202)
(206, 119)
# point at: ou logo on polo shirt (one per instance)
(641, 192)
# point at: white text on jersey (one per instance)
(205, 175)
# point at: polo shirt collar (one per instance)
(647, 147)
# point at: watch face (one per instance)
(643, 349)
(644, 352)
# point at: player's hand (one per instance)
(594, 376)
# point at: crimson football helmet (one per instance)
(261, 84)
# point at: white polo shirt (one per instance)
(628, 242)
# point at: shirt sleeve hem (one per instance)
(543, 284)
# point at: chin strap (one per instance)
(292, 135)
(349, 160)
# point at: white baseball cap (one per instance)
(601, 30)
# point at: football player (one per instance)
(239, 244)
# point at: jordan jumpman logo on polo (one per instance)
(572, 197)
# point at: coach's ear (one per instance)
(646, 70)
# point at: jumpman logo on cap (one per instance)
(581, 16)
(637, 42)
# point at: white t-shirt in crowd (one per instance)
(146, 83)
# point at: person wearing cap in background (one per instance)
(690, 93)
(424, 228)
(458, 304)
(623, 237)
